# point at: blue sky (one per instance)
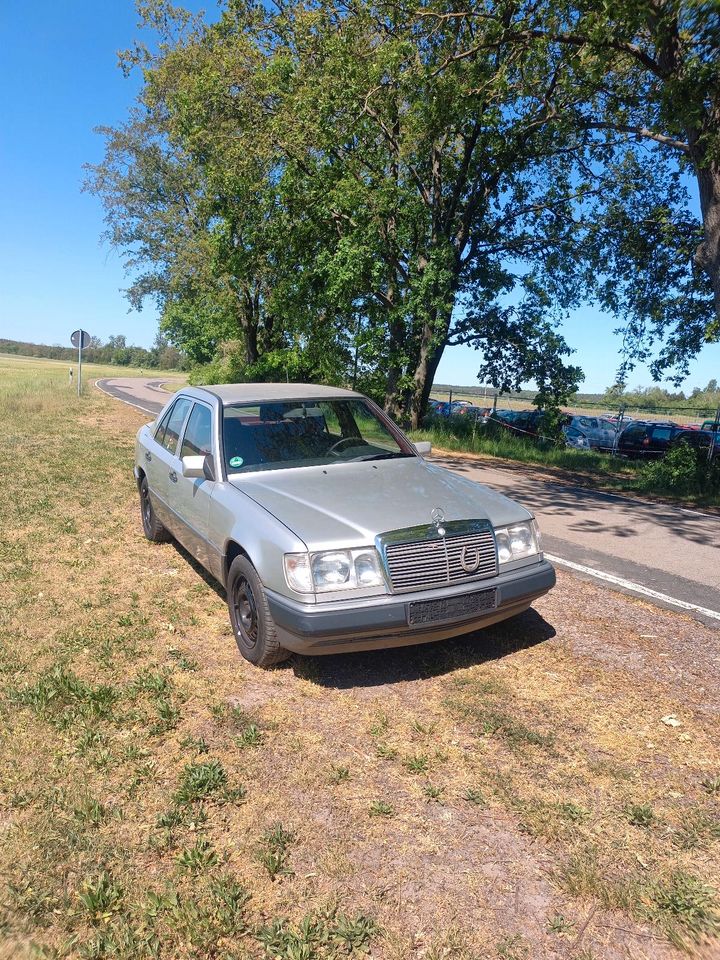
(60, 79)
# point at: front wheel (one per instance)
(152, 528)
(250, 616)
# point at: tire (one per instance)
(250, 616)
(152, 528)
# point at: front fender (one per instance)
(237, 518)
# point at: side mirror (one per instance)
(193, 467)
(423, 447)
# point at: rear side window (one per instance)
(662, 433)
(633, 434)
(197, 441)
(169, 435)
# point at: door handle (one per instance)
(173, 476)
(148, 457)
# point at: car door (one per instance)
(190, 496)
(660, 440)
(153, 466)
(160, 460)
(630, 440)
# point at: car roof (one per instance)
(653, 423)
(229, 393)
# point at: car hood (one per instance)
(348, 504)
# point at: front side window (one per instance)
(170, 436)
(162, 426)
(302, 433)
(197, 441)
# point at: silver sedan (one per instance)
(328, 529)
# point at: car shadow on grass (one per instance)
(200, 570)
(377, 668)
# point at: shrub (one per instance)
(683, 471)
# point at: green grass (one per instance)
(273, 851)
(674, 477)
(458, 436)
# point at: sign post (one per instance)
(621, 417)
(80, 339)
(714, 438)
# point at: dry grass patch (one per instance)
(503, 795)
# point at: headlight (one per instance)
(518, 541)
(333, 570)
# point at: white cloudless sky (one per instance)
(59, 79)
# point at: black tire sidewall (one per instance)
(152, 528)
(147, 514)
(265, 644)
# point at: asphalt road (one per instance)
(666, 554)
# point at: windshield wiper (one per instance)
(378, 456)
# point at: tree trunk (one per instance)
(249, 322)
(393, 398)
(432, 346)
(423, 381)
(707, 256)
(396, 327)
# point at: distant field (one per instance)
(57, 371)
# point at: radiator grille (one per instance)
(435, 561)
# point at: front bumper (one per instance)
(379, 622)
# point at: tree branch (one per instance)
(569, 39)
(644, 132)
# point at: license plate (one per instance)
(462, 607)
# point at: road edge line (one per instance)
(633, 587)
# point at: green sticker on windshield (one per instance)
(236, 461)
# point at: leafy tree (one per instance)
(645, 74)
(345, 191)
(386, 185)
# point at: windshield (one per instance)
(303, 433)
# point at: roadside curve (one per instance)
(668, 555)
(144, 394)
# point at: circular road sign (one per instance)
(80, 339)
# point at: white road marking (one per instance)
(634, 587)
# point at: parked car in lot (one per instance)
(697, 439)
(479, 414)
(599, 432)
(646, 438)
(327, 528)
(504, 415)
(575, 438)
